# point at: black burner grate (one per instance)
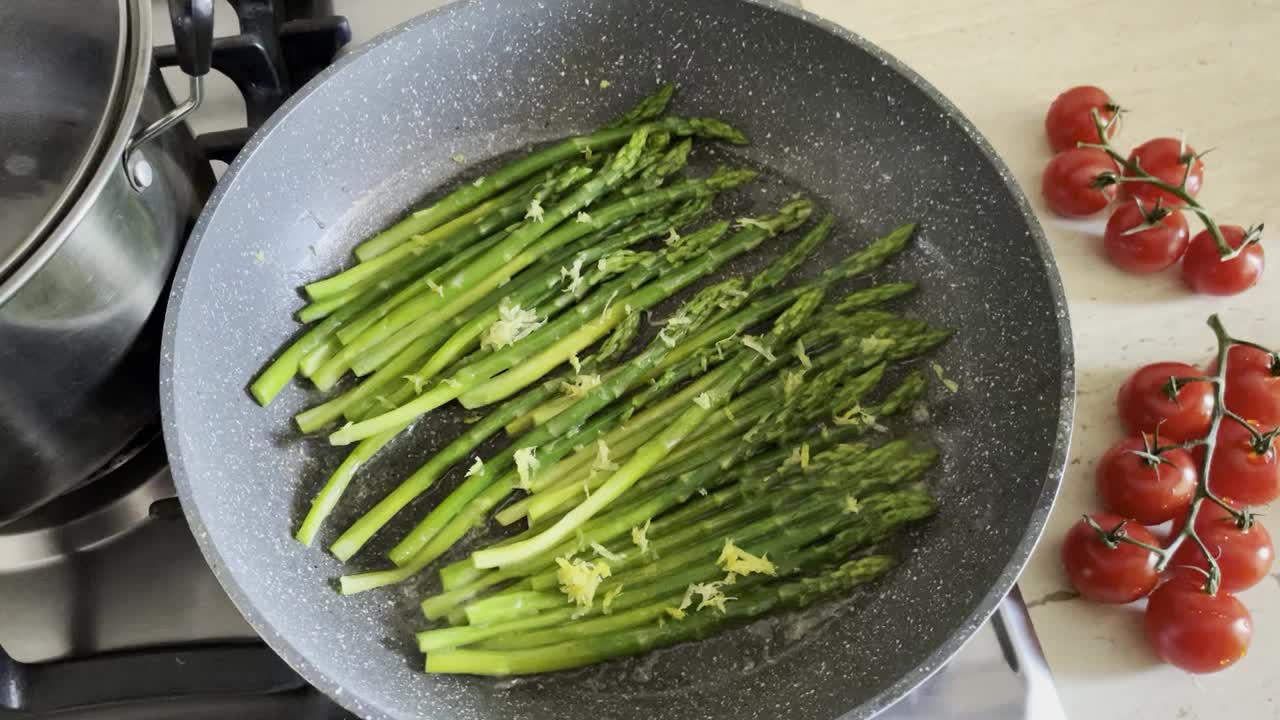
(281, 45)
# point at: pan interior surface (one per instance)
(827, 113)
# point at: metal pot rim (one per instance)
(123, 116)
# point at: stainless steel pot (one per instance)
(99, 183)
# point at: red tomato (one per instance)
(1144, 251)
(1165, 159)
(1242, 358)
(1143, 404)
(1253, 387)
(1244, 556)
(1111, 575)
(1069, 120)
(1067, 179)
(1196, 631)
(1206, 272)
(1254, 396)
(1239, 471)
(1133, 487)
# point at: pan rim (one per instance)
(876, 704)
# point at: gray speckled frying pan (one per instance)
(829, 113)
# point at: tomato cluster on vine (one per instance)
(1150, 190)
(1155, 480)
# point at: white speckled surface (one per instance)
(1002, 63)
(822, 114)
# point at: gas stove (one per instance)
(108, 610)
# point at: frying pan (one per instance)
(829, 113)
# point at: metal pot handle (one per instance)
(193, 37)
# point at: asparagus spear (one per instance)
(571, 654)
(550, 346)
(335, 486)
(553, 441)
(653, 451)
(883, 512)
(544, 504)
(325, 501)
(447, 343)
(789, 216)
(668, 509)
(471, 194)
(364, 528)
(332, 369)
(437, 244)
(513, 255)
(678, 484)
(477, 276)
(548, 274)
(856, 263)
(693, 316)
(607, 392)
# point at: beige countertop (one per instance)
(1180, 65)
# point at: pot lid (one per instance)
(61, 67)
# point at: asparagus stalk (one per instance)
(441, 528)
(454, 337)
(363, 529)
(471, 194)
(556, 342)
(327, 499)
(544, 504)
(890, 510)
(463, 230)
(333, 367)
(604, 394)
(725, 512)
(444, 527)
(549, 274)
(426, 219)
(583, 252)
(272, 380)
(576, 653)
(653, 451)
(859, 262)
(422, 545)
(493, 269)
(721, 469)
(789, 216)
(476, 277)
(649, 107)
(834, 550)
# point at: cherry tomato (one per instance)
(1069, 120)
(1196, 631)
(1133, 487)
(1206, 272)
(1143, 404)
(1067, 179)
(1242, 358)
(1239, 471)
(1255, 396)
(1244, 556)
(1144, 251)
(1165, 159)
(1104, 574)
